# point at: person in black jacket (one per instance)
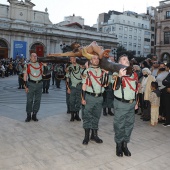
(166, 82)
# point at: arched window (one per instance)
(3, 49)
(166, 29)
(3, 44)
(37, 48)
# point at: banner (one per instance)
(19, 49)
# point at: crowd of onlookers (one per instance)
(8, 66)
(149, 71)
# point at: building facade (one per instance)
(152, 12)
(24, 30)
(163, 31)
(132, 30)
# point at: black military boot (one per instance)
(72, 117)
(119, 151)
(77, 116)
(28, 117)
(125, 149)
(94, 136)
(34, 117)
(86, 137)
(110, 112)
(47, 91)
(104, 112)
(43, 90)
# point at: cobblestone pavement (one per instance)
(55, 143)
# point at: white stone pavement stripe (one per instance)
(9, 93)
(21, 98)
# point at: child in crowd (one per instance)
(154, 99)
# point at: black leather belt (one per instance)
(125, 101)
(94, 94)
(36, 82)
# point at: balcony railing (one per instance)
(166, 17)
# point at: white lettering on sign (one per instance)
(18, 45)
(35, 29)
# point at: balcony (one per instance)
(166, 17)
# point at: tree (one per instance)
(122, 50)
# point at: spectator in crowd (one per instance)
(137, 69)
(14, 66)
(133, 62)
(162, 73)
(148, 60)
(2, 70)
(6, 65)
(155, 68)
(166, 83)
(144, 64)
(154, 99)
(144, 92)
(10, 68)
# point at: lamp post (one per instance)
(165, 59)
(114, 52)
(65, 48)
(62, 46)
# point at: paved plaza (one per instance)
(55, 143)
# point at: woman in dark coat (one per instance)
(166, 82)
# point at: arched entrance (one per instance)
(37, 48)
(3, 49)
(165, 57)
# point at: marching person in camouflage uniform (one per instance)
(125, 89)
(74, 75)
(19, 68)
(46, 77)
(33, 72)
(94, 80)
(53, 73)
(59, 74)
(68, 84)
(108, 98)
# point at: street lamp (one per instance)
(62, 46)
(114, 52)
(65, 48)
(165, 59)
